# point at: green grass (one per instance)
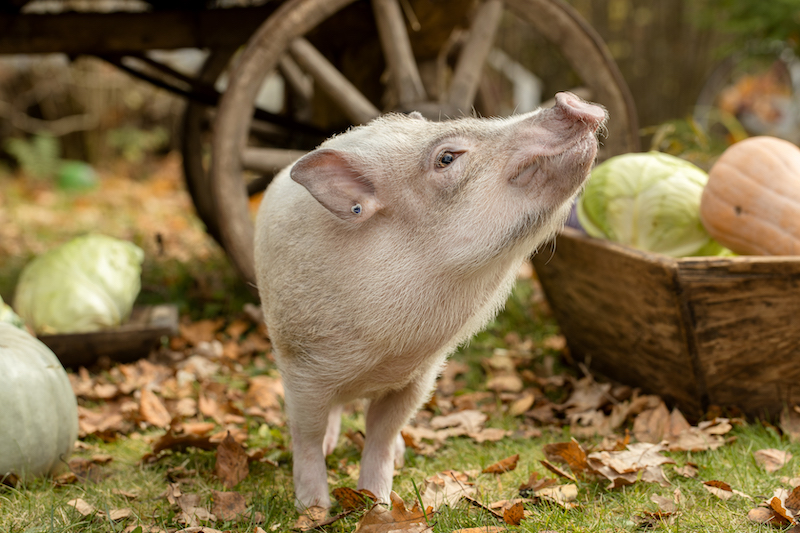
(40, 507)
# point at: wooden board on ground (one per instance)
(130, 341)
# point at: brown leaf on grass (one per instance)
(569, 453)
(125, 494)
(357, 438)
(506, 465)
(562, 495)
(470, 421)
(790, 422)
(489, 435)
(781, 510)
(153, 411)
(399, 519)
(82, 506)
(652, 425)
(722, 490)
(535, 483)
(201, 330)
(115, 515)
(513, 515)
(764, 515)
(198, 529)
(87, 469)
(352, 500)
(689, 470)
(446, 384)
(639, 462)
(771, 459)
(557, 471)
(171, 441)
(311, 518)
(522, 404)
(486, 508)
(106, 422)
(264, 392)
(228, 506)
(231, 466)
(86, 509)
(445, 488)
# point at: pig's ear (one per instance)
(337, 184)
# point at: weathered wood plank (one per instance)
(746, 315)
(111, 33)
(125, 343)
(619, 310)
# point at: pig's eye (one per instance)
(444, 159)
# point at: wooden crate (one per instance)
(132, 340)
(698, 331)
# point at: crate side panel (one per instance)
(747, 327)
(620, 310)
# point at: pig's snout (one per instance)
(576, 109)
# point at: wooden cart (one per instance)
(342, 62)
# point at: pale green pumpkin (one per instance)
(39, 413)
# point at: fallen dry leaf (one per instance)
(639, 462)
(513, 515)
(722, 490)
(201, 330)
(771, 459)
(569, 453)
(82, 506)
(506, 465)
(352, 500)
(557, 471)
(231, 466)
(311, 518)
(522, 404)
(445, 488)
(470, 421)
(563, 495)
(399, 519)
(229, 506)
(152, 410)
(534, 483)
(689, 470)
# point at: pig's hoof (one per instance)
(399, 451)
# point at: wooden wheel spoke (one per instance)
(473, 55)
(269, 160)
(397, 49)
(295, 78)
(354, 104)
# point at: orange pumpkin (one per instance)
(751, 203)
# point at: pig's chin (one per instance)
(534, 228)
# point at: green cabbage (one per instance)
(650, 201)
(87, 284)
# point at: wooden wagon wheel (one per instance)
(283, 33)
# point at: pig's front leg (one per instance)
(386, 416)
(308, 421)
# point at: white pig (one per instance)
(380, 252)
